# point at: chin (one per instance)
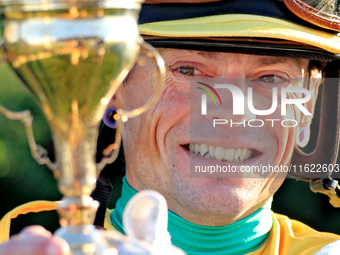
(224, 197)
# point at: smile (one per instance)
(219, 153)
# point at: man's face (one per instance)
(156, 143)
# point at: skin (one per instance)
(155, 158)
(35, 240)
(155, 154)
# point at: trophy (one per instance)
(73, 55)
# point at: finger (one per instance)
(35, 231)
(35, 245)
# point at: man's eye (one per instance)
(189, 71)
(271, 79)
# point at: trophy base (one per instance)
(85, 240)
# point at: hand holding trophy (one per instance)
(73, 55)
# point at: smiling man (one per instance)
(258, 46)
(163, 147)
(162, 137)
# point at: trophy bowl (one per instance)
(73, 55)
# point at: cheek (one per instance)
(136, 95)
(282, 127)
(132, 140)
(140, 86)
(286, 129)
(145, 135)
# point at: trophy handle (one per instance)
(38, 152)
(153, 54)
(111, 151)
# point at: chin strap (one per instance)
(102, 194)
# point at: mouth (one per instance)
(221, 154)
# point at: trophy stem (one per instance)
(75, 144)
(76, 218)
(75, 211)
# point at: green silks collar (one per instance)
(243, 236)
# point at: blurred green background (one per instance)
(23, 180)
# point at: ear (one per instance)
(117, 101)
(303, 133)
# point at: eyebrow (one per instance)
(268, 61)
(208, 54)
(262, 61)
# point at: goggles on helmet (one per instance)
(322, 13)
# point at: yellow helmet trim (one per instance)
(241, 25)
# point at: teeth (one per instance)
(229, 154)
(237, 153)
(197, 148)
(212, 151)
(203, 149)
(221, 154)
(249, 154)
(243, 154)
